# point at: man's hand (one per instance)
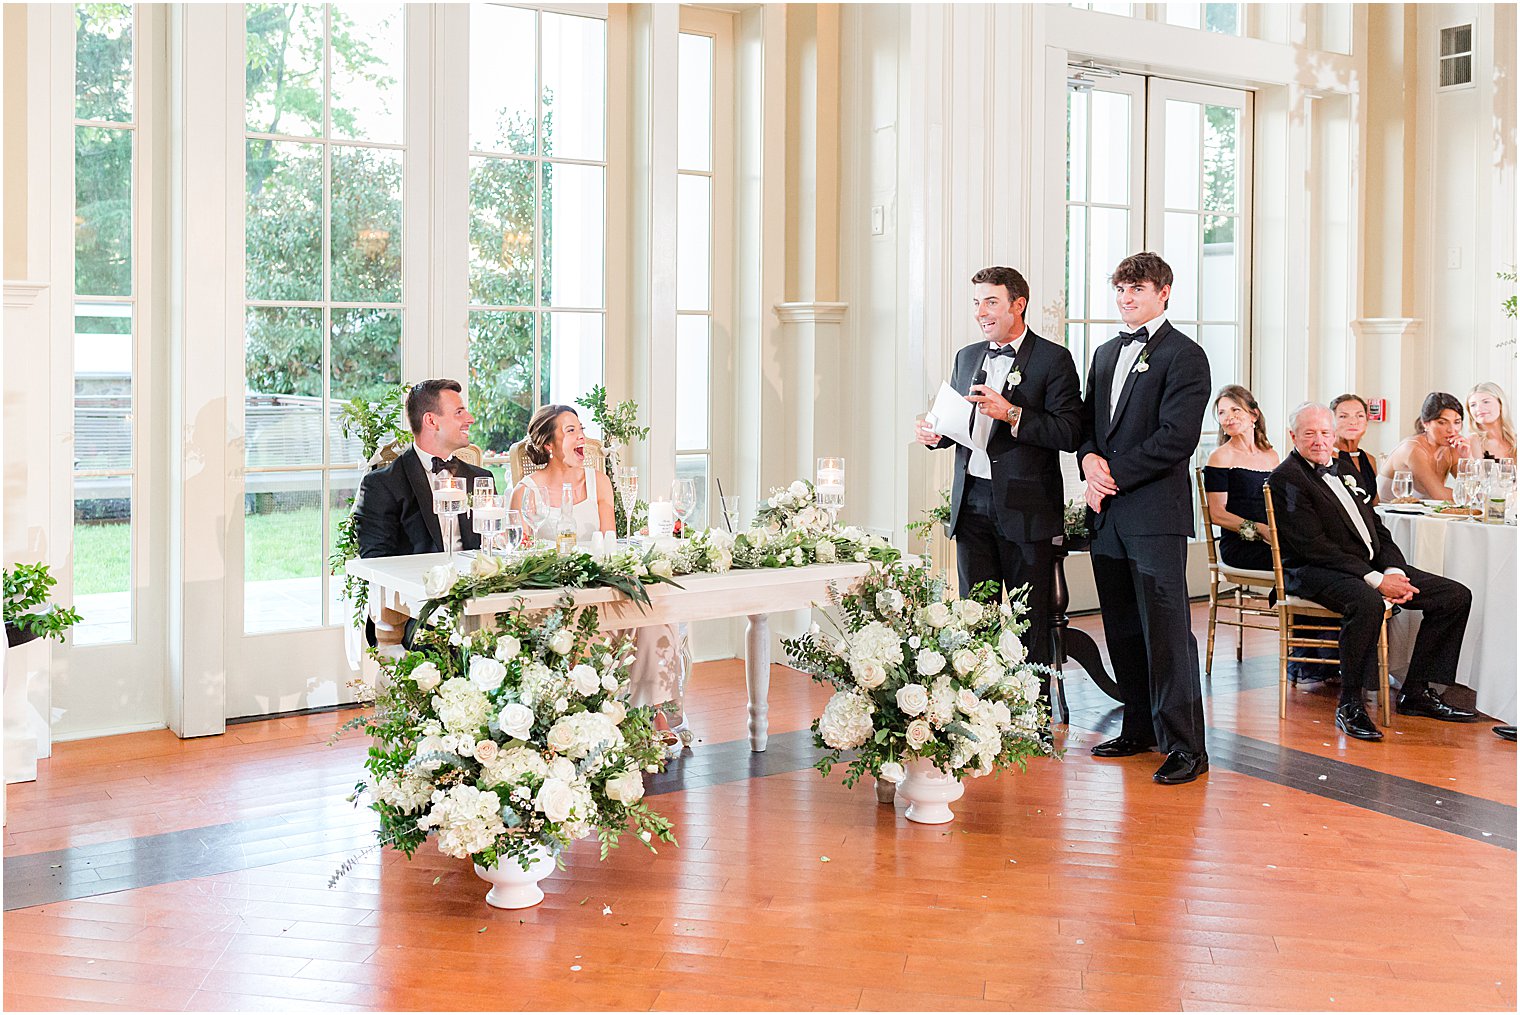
(1396, 588)
(925, 436)
(1095, 468)
(989, 402)
(1093, 498)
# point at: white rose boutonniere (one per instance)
(438, 580)
(1144, 363)
(1015, 378)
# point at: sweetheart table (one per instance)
(753, 593)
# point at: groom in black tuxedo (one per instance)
(1147, 392)
(1337, 552)
(1006, 505)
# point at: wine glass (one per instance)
(513, 527)
(489, 516)
(448, 505)
(534, 507)
(830, 486)
(1403, 484)
(628, 491)
(683, 497)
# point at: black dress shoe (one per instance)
(1121, 747)
(1180, 767)
(1352, 719)
(1505, 733)
(1429, 704)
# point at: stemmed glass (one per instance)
(628, 492)
(1469, 492)
(513, 528)
(448, 505)
(683, 498)
(489, 515)
(830, 486)
(1403, 484)
(533, 506)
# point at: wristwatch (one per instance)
(1012, 415)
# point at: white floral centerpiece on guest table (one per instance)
(507, 745)
(926, 683)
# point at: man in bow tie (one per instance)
(1006, 507)
(1337, 552)
(1147, 392)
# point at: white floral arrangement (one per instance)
(793, 508)
(921, 673)
(508, 739)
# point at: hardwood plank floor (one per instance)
(196, 877)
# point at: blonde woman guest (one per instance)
(1350, 412)
(1491, 429)
(556, 443)
(1432, 454)
(1233, 478)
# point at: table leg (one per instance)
(757, 677)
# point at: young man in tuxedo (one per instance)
(1147, 392)
(1006, 504)
(1337, 552)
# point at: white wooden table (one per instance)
(396, 582)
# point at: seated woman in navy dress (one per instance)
(1233, 478)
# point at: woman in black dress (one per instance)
(1350, 460)
(1233, 478)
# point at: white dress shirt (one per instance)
(1337, 486)
(427, 461)
(998, 368)
(1129, 352)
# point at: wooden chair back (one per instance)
(519, 464)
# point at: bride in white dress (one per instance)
(556, 443)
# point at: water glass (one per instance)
(683, 497)
(489, 516)
(513, 529)
(1403, 484)
(829, 483)
(730, 505)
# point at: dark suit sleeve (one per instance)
(377, 518)
(1089, 445)
(1184, 398)
(1058, 423)
(1301, 532)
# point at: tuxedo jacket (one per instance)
(1149, 438)
(1319, 543)
(393, 511)
(1026, 470)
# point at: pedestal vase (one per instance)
(929, 793)
(512, 887)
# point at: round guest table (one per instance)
(1482, 557)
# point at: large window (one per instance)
(694, 265)
(105, 313)
(323, 283)
(537, 219)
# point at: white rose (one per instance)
(825, 551)
(970, 611)
(929, 663)
(516, 720)
(485, 566)
(561, 738)
(562, 769)
(912, 699)
(507, 648)
(892, 772)
(774, 500)
(1011, 648)
(967, 700)
(868, 674)
(919, 733)
(626, 787)
(964, 661)
(615, 711)
(661, 568)
(438, 580)
(584, 679)
(798, 490)
(609, 682)
(937, 615)
(485, 751)
(562, 642)
(757, 536)
(486, 673)
(554, 799)
(427, 677)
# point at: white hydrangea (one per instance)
(461, 706)
(846, 720)
(540, 685)
(468, 820)
(513, 766)
(941, 702)
(576, 736)
(877, 643)
(409, 791)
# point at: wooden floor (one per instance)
(1077, 885)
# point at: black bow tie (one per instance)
(1320, 470)
(449, 465)
(1139, 335)
(1002, 350)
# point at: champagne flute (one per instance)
(628, 492)
(683, 497)
(448, 505)
(1403, 484)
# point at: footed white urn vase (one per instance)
(929, 793)
(512, 887)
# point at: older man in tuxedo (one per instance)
(1026, 403)
(1337, 552)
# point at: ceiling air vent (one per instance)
(1456, 56)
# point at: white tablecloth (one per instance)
(1482, 557)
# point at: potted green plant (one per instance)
(26, 588)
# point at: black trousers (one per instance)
(1147, 622)
(982, 554)
(1443, 604)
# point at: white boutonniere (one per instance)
(1351, 485)
(1143, 365)
(1015, 378)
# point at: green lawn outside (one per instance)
(282, 544)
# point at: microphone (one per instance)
(980, 378)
